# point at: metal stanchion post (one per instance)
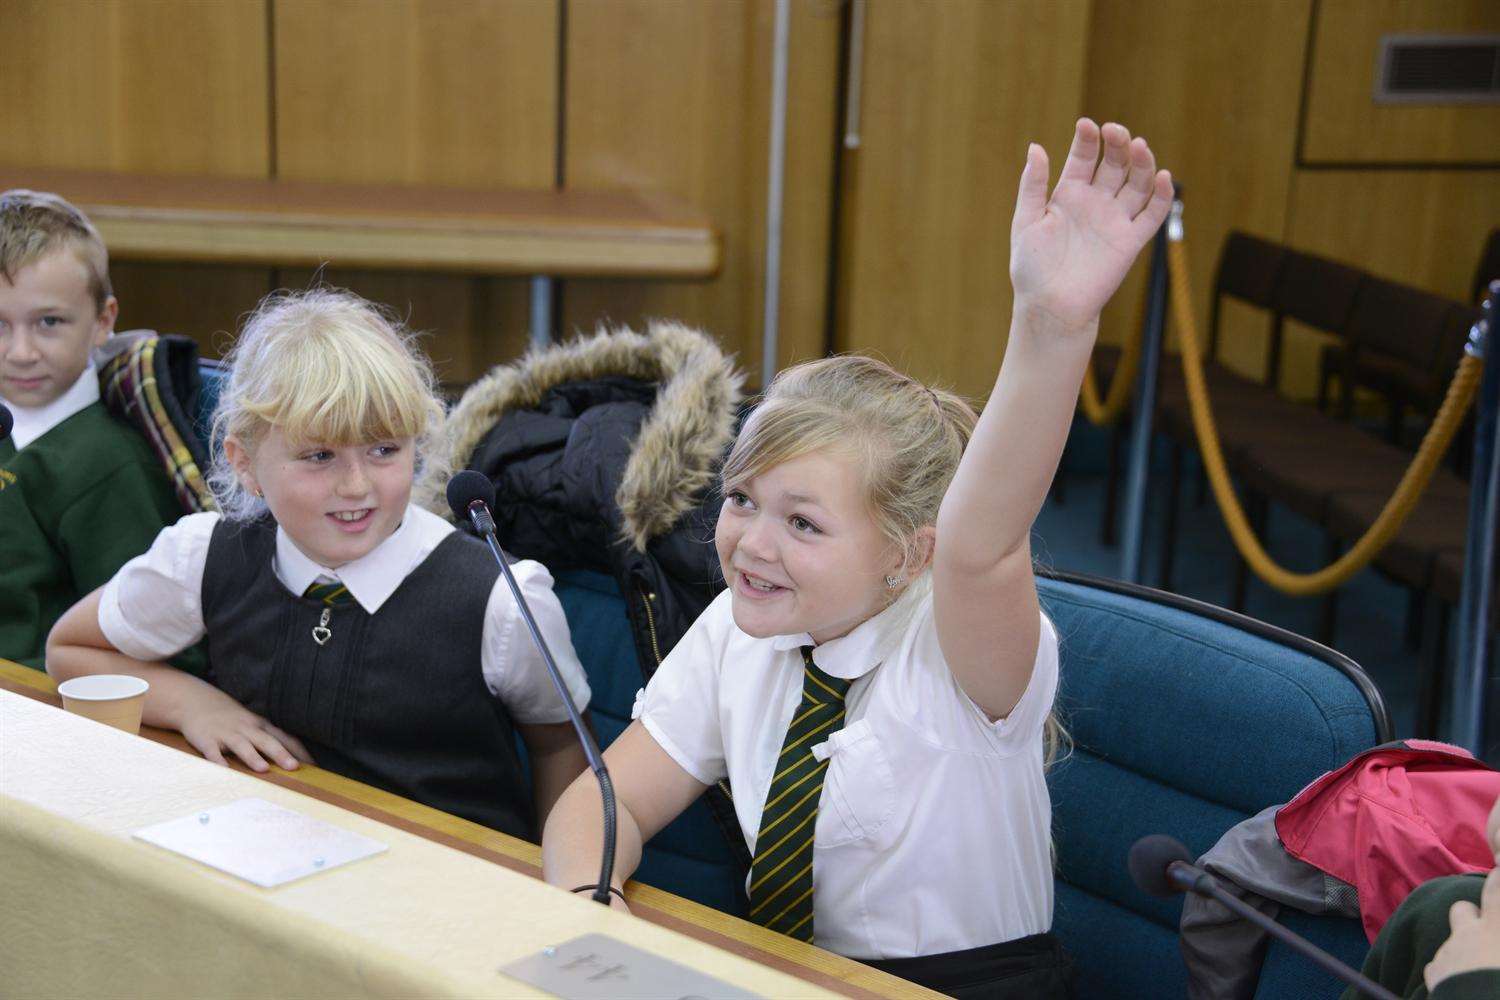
(1471, 675)
(1132, 545)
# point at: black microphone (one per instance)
(470, 495)
(1161, 866)
(6, 421)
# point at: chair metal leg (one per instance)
(1169, 529)
(1107, 536)
(1328, 611)
(1258, 513)
(1432, 669)
(1415, 616)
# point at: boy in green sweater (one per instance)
(80, 492)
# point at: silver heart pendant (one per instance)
(321, 634)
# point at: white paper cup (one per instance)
(113, 699)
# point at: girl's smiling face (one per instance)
(801, 552)
(336, 502)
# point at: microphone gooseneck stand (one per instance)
(470, 494)
(1161, 866)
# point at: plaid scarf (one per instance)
(139, 387)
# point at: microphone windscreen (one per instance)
(465, 488)
(7, 421)
(1149, 858)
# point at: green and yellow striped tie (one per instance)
(332, 594)
(781, 883)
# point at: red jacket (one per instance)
(1392, 818)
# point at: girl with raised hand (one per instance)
(877, 680)
(344, 624)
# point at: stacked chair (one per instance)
(1398, 343)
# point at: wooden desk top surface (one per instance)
(256, 221)
(653, 905)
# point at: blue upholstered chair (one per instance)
(1186, 719)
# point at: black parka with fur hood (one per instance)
(604, 453)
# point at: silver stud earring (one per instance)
(892, 582)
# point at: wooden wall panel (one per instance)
(202, 301)
(675, 97)
(950, 101)
(1345, 125)
(1218, 100)
(172, 86)
(443, 92)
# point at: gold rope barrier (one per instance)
(1392, 515)
(1104, 413)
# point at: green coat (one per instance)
(75, 505)
(1413, 935)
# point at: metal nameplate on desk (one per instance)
(260, 841)
(598, 967)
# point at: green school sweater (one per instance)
(75, 505)
(1413, 935)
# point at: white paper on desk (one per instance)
(260, 841)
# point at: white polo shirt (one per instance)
(152, 609)
(933, 829)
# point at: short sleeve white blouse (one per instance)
(933, 829)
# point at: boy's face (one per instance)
(48, 326)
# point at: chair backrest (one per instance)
(1186, 719)
(1398, 322)
(690, 856)
(1247, 270)
(1316, 291)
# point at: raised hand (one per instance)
(1069, 253)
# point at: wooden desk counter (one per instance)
(286, 223)
(815, 970)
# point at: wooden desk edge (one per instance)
(823, 968)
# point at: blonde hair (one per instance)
(907, 438)
(36, 223)
(322, 366)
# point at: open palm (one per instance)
(1069, 253)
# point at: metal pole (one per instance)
(1471, 680)
(541, 312)
(776, 171)
(1132, 546)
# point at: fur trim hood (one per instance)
(680, 444)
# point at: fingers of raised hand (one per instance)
(1150, 218)
(1031, 199)
(1113, 169)
(1083, 154)
(1136, 193)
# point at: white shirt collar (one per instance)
(34, 421)
(373, 577)
(867, 645)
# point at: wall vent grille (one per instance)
(1438, 69)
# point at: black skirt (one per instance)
(1028, 968)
